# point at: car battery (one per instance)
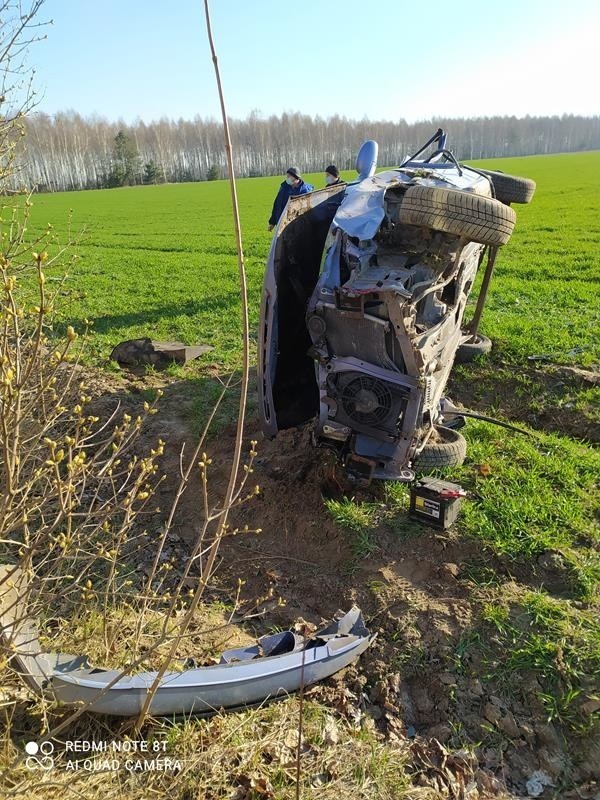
(435, 502)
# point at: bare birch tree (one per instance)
(67, 151)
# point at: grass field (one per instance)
(160, 262)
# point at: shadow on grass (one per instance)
(146, 317)
(550, 398)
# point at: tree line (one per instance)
(67, 151)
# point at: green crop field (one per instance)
(160, 261)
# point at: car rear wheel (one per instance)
(510, 188)
(445, 448)
(476, 346)
(471, 216)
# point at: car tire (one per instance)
(449, 450)
(471, 216)
(510, 188)
(469, 350)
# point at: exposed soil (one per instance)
(414, 592)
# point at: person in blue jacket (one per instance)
(292, 185)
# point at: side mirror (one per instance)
(366, 160)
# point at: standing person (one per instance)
(291, 186)
(332, 176)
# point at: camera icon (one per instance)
(39, 756)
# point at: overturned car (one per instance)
(363, 303)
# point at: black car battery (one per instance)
(435, 502)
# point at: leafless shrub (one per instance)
(76, 491)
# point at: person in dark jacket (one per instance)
(332, 176)
(291, 186)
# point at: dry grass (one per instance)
(243, 756)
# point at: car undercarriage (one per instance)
(363, 308)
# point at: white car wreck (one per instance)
(363, 304)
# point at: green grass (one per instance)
(533, 633)
(544, 295)
(160, 261)
(541, 495)
(363, 517)
(356, 516)
(360, 518)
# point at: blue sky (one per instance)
(384, 59)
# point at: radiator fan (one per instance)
(365, 400)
